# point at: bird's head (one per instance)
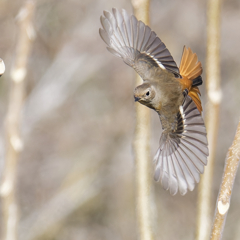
(145, 94)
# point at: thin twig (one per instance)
(14, 144)
(141, 148)
(225, 192)
(212, 113)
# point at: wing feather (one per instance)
(134, 41)
(182, 153)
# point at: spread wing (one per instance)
(183, 152)
(135, 43)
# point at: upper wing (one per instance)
(135, 43)
(183, 152)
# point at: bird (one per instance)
(170, 91)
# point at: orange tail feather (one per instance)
(190, 68)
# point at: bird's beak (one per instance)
(136, 99)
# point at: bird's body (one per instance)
(173, 93)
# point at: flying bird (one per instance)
(171, 91)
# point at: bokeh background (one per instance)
(76, 172)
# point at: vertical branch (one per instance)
(212, 114)
(141, 147)
(13, 141)
(225, 192)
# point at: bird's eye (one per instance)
(147, 93)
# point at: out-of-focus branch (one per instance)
(57, 84)
(141, 147)
(13, 140)
(2, 67)
(81, 184)
(60, 206)
(225, 192)
(212, 113)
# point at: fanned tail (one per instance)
(191, 70)
(183, 152)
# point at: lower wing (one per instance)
(182, 153)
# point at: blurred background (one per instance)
(75, 176)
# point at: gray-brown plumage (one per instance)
(174, 95)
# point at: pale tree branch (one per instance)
(13, 141)
(82, 183)
(141, 148)
(44, 220)
(212, 114)
(225, 192)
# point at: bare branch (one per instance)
(212, 113)
(225, 192)
(14, 144)
(2, 67)
(60, 206)
(141, 148)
